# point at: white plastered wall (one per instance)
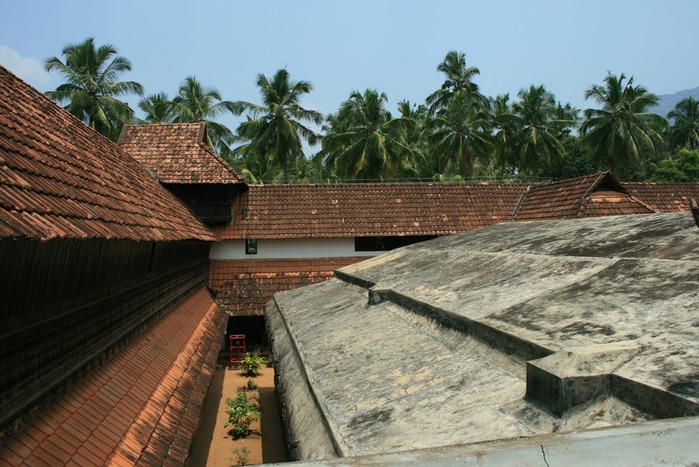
(292, 248)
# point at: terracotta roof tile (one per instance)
(664, 197)
(61, 179)
(113, 425)
(592, 195)
(387, 209)
(177, 153)
(370, 209)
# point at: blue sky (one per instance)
(339, 46)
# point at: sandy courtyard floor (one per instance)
(213, 446)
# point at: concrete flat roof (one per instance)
(514, 330)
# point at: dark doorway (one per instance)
(254, 329)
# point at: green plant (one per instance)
(270, 361)
(251, 384)
(241, 455)
(242, 411)
(251, 364)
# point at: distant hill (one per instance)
(668, 101)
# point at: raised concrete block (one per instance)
(574, 378)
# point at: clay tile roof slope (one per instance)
(61, 179)
(371, 209)
(664, 197)
(142, 407)
(591, 195)
(177, 153)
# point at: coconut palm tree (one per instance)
(277, 127)
(364, 142)
(256, 168)
(461, 133)
(158, 108)
(505, 124)
(622, 129)
(538, 137)
(92, 86)
(196, 103)
(458, 79)
(685, 123)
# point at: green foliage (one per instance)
(461, 133)
(196, 103)
(457, 134)
(251, 385)
(158, 108)
(458, 79)
(242, 411)
(578, 161)
(685, 123)
(538, 140)
(91, 86)
(682, 168)
(504, 124)
(364, 142)
(622, 133)
(276, 128)
(241, 455)
(251, 364)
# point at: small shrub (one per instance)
(270, 361)
(242, 411)
(251, 364)
(241, 455)
(251, 384)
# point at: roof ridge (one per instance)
(394, 184)
(515, 213)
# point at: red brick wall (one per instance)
(245, 286)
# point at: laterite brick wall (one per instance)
(244, 286)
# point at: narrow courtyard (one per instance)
(213, 446)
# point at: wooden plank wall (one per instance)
(65, 304)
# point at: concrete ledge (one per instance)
(354, 280)
(497, 339)
(655, 401)
(663, 442)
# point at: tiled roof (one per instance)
(142, 407)
(59, 178)
(378, 209)
(664, 197)
(612, 203)
(177, 153)
(591, 195)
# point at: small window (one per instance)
(250, 246)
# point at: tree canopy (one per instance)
(277, 128)
(457, 133)
(92, 85)
(364, 142)
(685, 123)
(622, 131)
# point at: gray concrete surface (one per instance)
(667, 442)
(515, 330)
